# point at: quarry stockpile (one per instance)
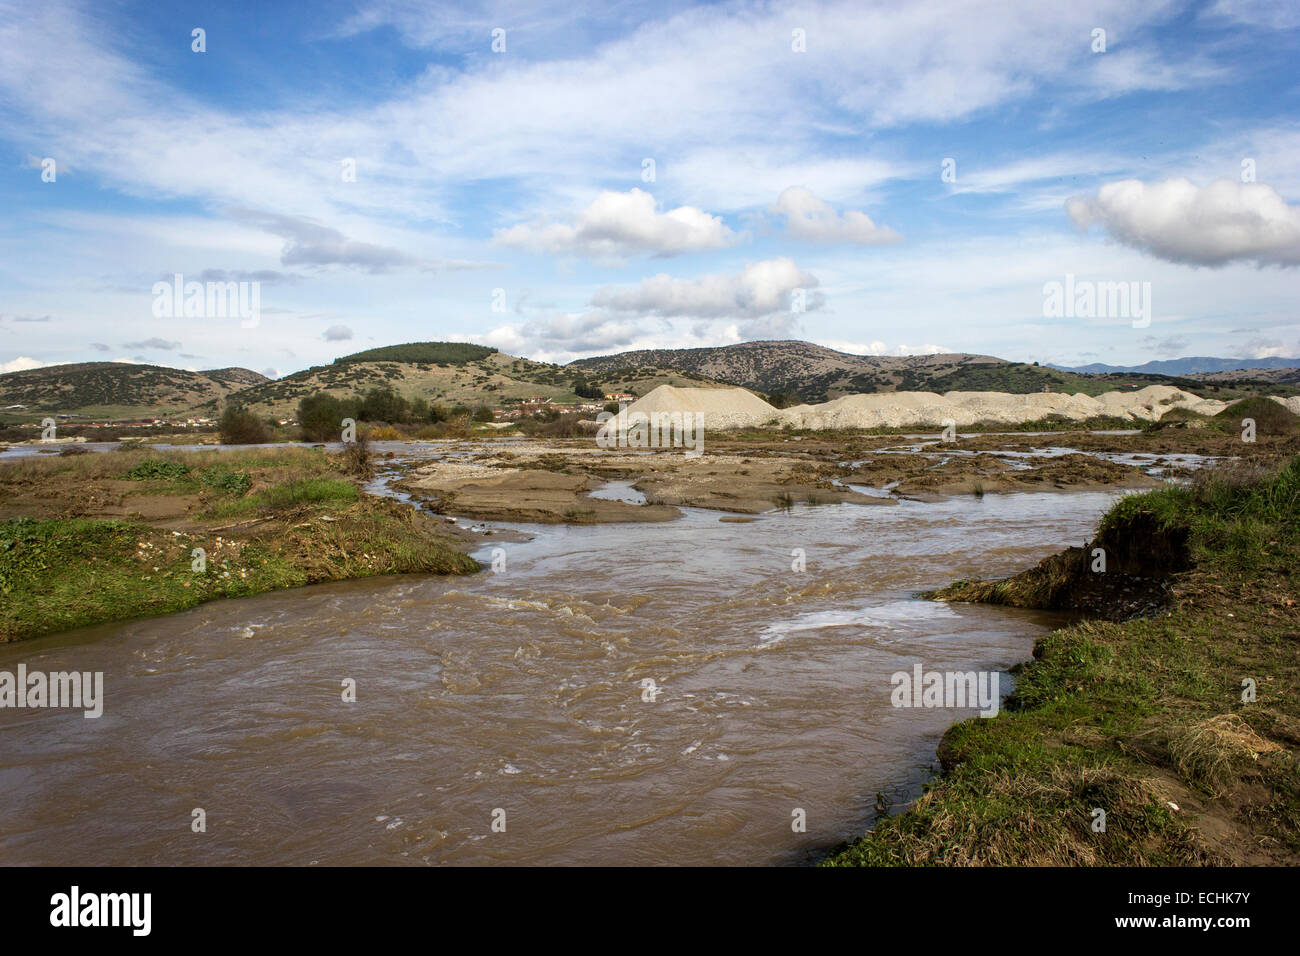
(722, 407)
(738, 408)
(1292, 403)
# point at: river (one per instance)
(518, 697)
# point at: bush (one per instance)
(483, 414)
(384, 405)
(321, 417)
(235, 482)
(1270, 417)
(239, 426)
(357, 459)
(157, 469)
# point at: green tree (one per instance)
(321, 417)
(238, 426)
(384, 405)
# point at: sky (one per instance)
(565, 180)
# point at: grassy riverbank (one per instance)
(96, 538)
(1143, 718)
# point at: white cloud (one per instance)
(761, 289)
(21, 364)
(1181, 222)
(880, 348)
(618, 224)
(336, 333)
(1272, 14)
(869, 65)
(566, 335)
(807, 217)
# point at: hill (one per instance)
(451, 373)
(1187, 366)
(814, 372)
(449, 353)
(117, 390)
(819, 374)
(462, 373)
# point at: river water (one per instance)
(519, 695)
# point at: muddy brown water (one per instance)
(522, 691)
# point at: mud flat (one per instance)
(552, 483)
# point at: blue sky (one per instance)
(504, 197)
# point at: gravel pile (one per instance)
(739, 408)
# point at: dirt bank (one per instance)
(1172, 714)
(107, 537)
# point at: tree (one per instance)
(384, 405)
(483, 414)
(321, 417)
(238, 426)
(583, 390)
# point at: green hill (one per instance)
(118, 390)
(441, 353)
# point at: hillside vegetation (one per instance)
(461, 373)
(447, 353)
(121, 390)
(814, 374)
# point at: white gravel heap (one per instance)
(739, 408)
(722, 407)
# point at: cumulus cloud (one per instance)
(154, 343)
(309, 243)
(761, 289)
(1181, 222)
(807, 217)
(563, 337)
(566, 334)
(21, 364)
(267, 276)
(619, 224)
(880, 348)
(1169, 345)
(1261, 348)
(337, 333)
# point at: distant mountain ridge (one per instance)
(1185, 366)
(787, 372)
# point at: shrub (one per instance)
(321, 417)
(383, 405)
(235, 482)
(238, 426)
(157, 469)
(357, 459)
